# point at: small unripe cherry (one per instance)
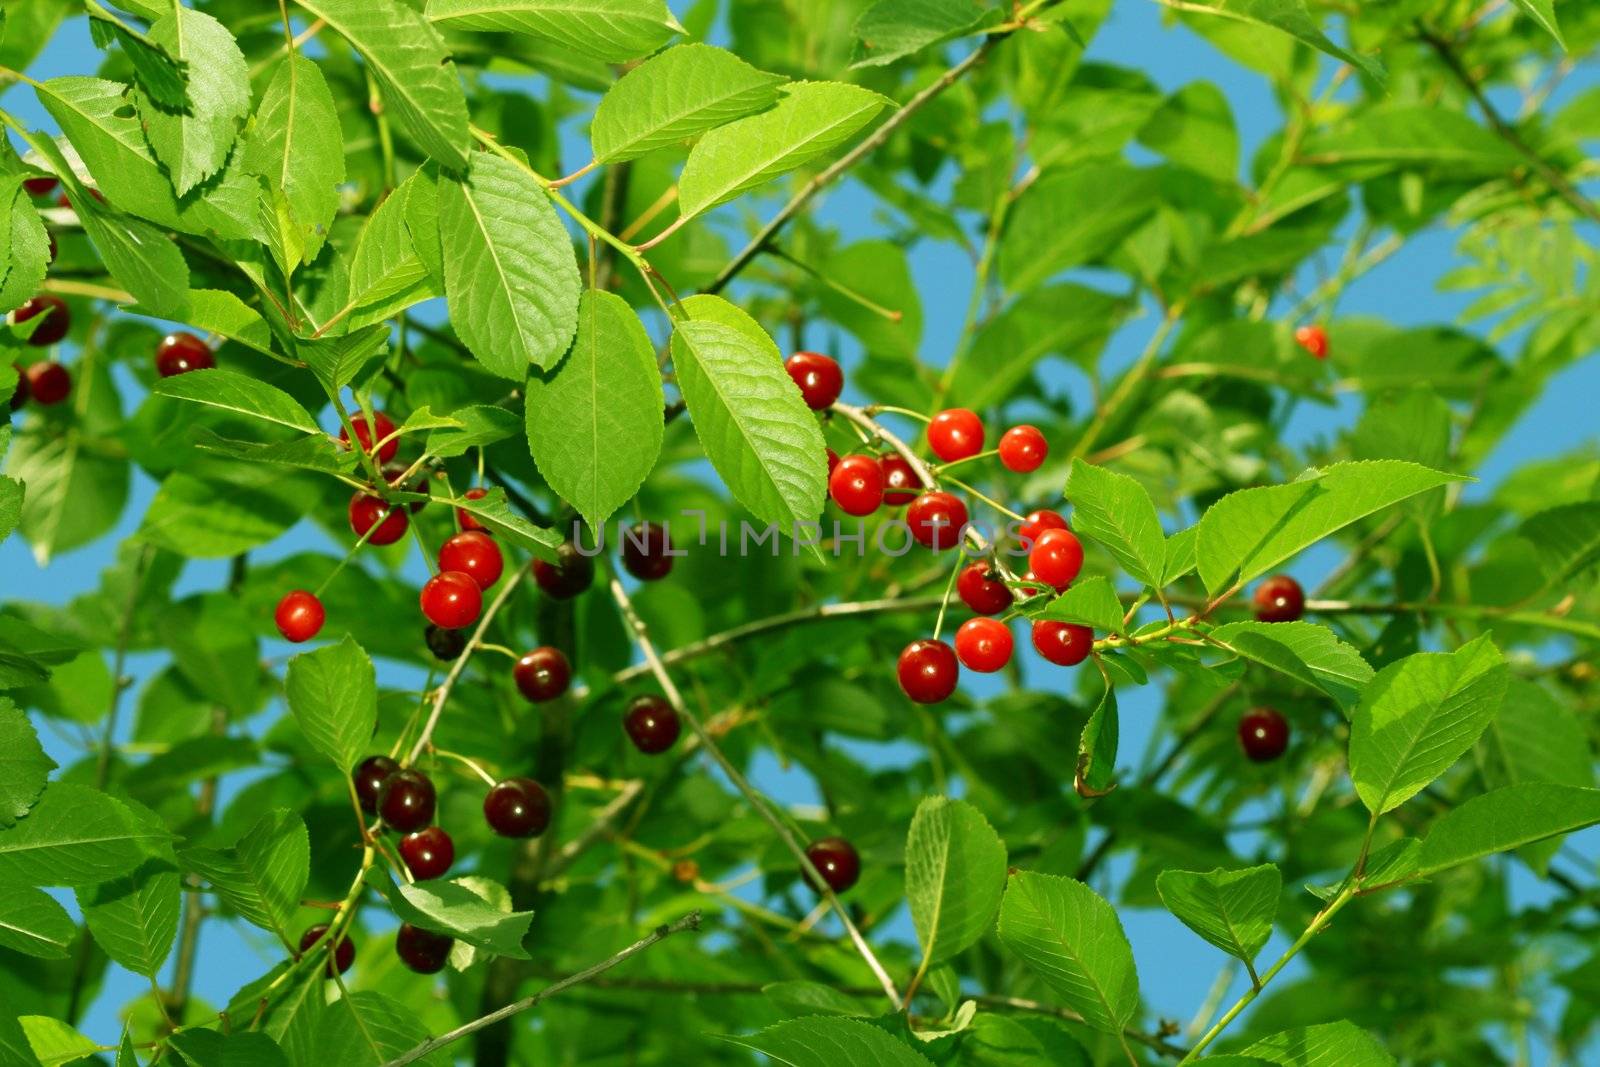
(1313, 339)
(983, 644)
(388, 524)
(836, 860)
(182, 352)
(955, 433)
(473, 553)
(344, 953)
(1023, 449)
(55, 324)
(1264, 734)
(856, 485)
(383, 425)
(542, 674)
(928, 671)
(1066, 644)
(900, 482)
(818, 376)
(299, 616)
(49, 382)
(981, 593)
(1036, 523)
(1279, 599)
(1056, 558)
(936, 520)
(651, 724)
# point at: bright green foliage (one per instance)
(1071, 938)
(333, 695)
(955, 873)
(1231, 909)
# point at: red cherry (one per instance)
(368, 511)
(1065, 644)
(467, 520)
(406, 800)
(1313, 339)
(40, 186)
(571, 574)
(1264, 734)
(900, 482)
(955, 433)
(180, 353)
(385, 426)
(344, 953)
(647, 551)
(983, 645)
(1036, 523)
(55, 324)
(1279, 599)
(474, 554)
(819, 378)
(856, 485)
(1056, 558)
(928, 671)
(369, 778)
(981, 593)
(452, 599)
(446, 645)
(517, 807)
(833, 461)
(299, 615)
(19, 395)
(542, 674)
(422, 951)
(49, 382)
(1023, 449)
(836, 860)
(428, 853)
(936, 520)
(651, 724)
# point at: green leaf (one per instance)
(297, 147)
(32, 923)
(1089, 602)
(215, 507)
(24, 245)
(594, 423)
(134, 919)
(1115, 511)
(223, 313)
(510, 272)
(454, 909)
(162, 76)
(264, 874)
(1338, 1044)
(1411, 135)
(830, 1041)
(319, 453)
(1067, 320)
(1194, 128)
(678, 94)
(23, 765)
(893, 29)
(333, 694)
(1096, 770)
(1070, 937)
(74, 836)
(142, 258)
(1072, 218)
(337, 361)
(480, 425)
(1291, 17)
(193, 142)
(1504, 819)
(413, 70)
(799, 997)
(214, 646)
(955, 875)
(811, 120)
(368, 1029)
(241, 394)
(74, 494)
(610, 30)
(386, 272)
(1231, 909)
(1544, 13)
(1567, 539)
(1543, 742)
(1180, 555)
(209, 1048)
(752, 423)
(54, 1042)
(1418, 716)
(126, 1055)
(1304, 651)
(1246, 534)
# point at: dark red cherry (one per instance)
(981, 593)
(936, 520)
(1264, 734)
(299, 615)
(384, 425)
(1066, 644)
(570, 575)
(428, 853)
(517, 807)
(646, 551)
(446, 645)
(388, 524)
(1279, 599)
(52, 328)
(651, 724)
(475, 554)
(406, 800)
(818, 376)
(344, 953)
(422, 951)
(181, 352)
(836, 860)
(41, 186)
(928, 671)
(49, 382)
(369, 778)
(542, 674)
(452, 599)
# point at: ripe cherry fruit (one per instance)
(368, 511)
(446, 645)
(647, 551)
(422, 951)
(299, 615)
(651, 723)
(452, 599)
(55, 324)
(517, 807)
(406, 800)
(818, 376)
(473, 553)
(344, 953)
(1279, 599)
(833, 461)
(1056, 558)
(1263, 733)
(49, 382)
(369, 778)
(428, 853)
(981, 593)
(900, 483)
(936, 520)
(983, 645)
(542, 674)
(1036, 523)
(856, 485)
(928, 671)
(836, 860)
(1023, 449)
(1313, 339)
(384, 425)
(41, 186)
(182, 352)
(571, 574)
(1066, 644)
(467, 520)
(955, 433)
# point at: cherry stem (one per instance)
(350, 555)
(468, 761)
(943, 468)
(938, 623)
(873, 409)
(1001, 508)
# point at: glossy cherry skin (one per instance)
(299, 615)
(49, 383)
(818, 376)
(1056, 558)
(406, 800)
(517, 807)
(1279, 599)
(936, 520)
(1313, 339)
(344, 953)
(1066, 644)
(900, 483)
(836, 860)
(446, 645)
(651, 723)
(983, 645)
(42, 186)
(646, 551)
(570, 575)
(467, 520)
(955, 433)
(368, 511)
(57, 321)
(369, 778)
(181, 352)
(19, 395)
(422, 951)
(856, 485)
(833, 461)
(542, 674)
(1023, 449)
(981, 593)
(928, 671)
(1263, 733)
(384, 425)
(473, 553)
(428, 853)
(1036, 523)
(452, 599)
